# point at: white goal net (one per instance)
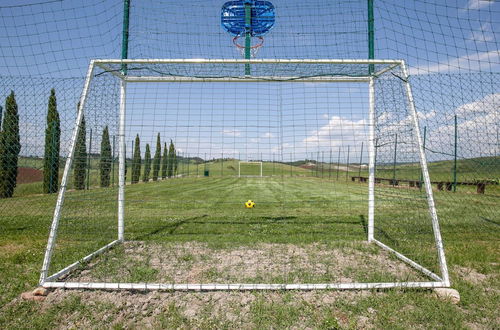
(330, 150)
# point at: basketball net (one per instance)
(254, 49)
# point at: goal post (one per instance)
(251, 164)
(378, 128)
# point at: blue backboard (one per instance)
(233, 17)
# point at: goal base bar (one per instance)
(240, 287)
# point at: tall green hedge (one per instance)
(106, 158)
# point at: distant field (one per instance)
(468, 170)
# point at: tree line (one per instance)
(167, 163)
(162, 166)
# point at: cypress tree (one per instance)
(175, 162)
(136, 162)
(80, 162)
(157, 159)
(105, 161)
(10, 147)
(52, 147)
(171, 159)
(164, 162)
(147, 164)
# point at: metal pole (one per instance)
(427, 180)
(248, 30)
(273, 164)
(317, 164)
(371, 161)
(394, 161)
(205, 165)
(455, 157)
(67, 168)
(261, 168)
(330, 165)
(322, 162)
(182, 168)
(347, 167)
(371, 36)
(360, 159)
(113, 164)
(126, 16)
(88, 160)
(132, 158)
(421, 174)
(122, 162)
(338, 164)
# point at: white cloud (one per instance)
(338, 131)
(482, 61)
(488, 104)
(478, 124)
(231, 132)
(427, 115)
(478, 4)
(268, 135)
(484, 34)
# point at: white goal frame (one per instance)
(53, 280)
(248, 162)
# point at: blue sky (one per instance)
(460, 38)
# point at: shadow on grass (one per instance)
(170, 228)
(387, 239)
(279, 218)
(362, 221)
(490, 221)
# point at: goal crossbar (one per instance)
(113, 67)
(116, 68)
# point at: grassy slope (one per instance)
(471, 243)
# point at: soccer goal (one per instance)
(322, 220)
(249, 169)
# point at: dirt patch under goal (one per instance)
(195, 262)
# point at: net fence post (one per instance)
(371, 162)
(427, 180)
(64, 181)
(121, 162)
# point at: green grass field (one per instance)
(184, 218)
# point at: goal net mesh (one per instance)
(188, 224)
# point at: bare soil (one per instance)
(195, 262)
(29, 175)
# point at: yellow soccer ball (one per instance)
(249, 204)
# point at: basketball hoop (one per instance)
(253, 49)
